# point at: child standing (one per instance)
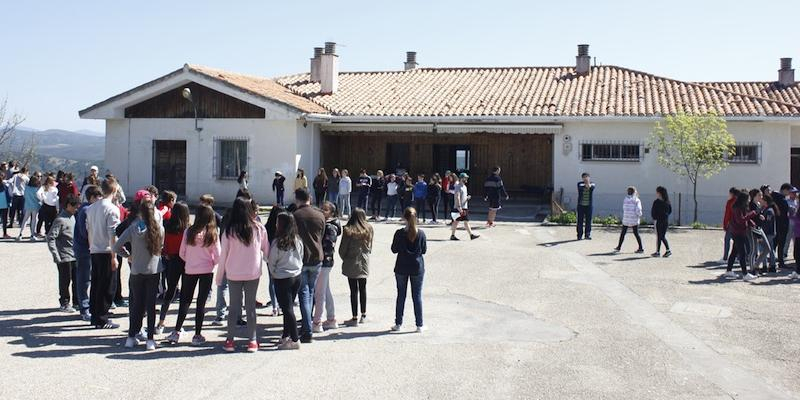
(244, 245)
(410, 245)
(301, 181)
(323, 299)
(285, 262)
(31, 209)
(631, 215)
(333, 186)
(391, 195)
(739, 225)
(433, 196)
(48, 193)
(272, 227)
(355, 250)
(200, 250)
(146, 236)
(60, 242)
(278, 187)
(173, 263)
(660, 214)
(345, 187)
(420, 193)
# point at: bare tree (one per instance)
(28, 152)
(8, 123)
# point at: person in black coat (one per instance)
(410, 246)
(660, 214)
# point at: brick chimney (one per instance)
(329, 69)
(315, 64)
(583, 63)
(786, 73)
(411, 60)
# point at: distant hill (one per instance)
(58, 149)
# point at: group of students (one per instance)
(761, 223)
(163, 248)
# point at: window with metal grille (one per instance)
(610, 152)
(746, 153)
(231, 158)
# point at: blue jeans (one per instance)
(272, 297)
(222, 305)
(83, 275)
(416, 297)
(333, 197)
(391, 204)
(584, 221)
(307, 280)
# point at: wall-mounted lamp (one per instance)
(187, 94)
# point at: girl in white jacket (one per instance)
(631, 214)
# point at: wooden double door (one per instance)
(169, 166)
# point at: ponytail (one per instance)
(410, 215)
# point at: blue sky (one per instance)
(62, 56)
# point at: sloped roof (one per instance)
(528, 91)
(769, 90)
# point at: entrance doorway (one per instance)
(398, 158)
(795, 166)
(456, 158)
(169, 166)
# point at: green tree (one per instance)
(693, 146)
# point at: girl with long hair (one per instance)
(200, 250)
(146, 237)
(631, 217)
(242, 180)
(49, 195)
(741, 221)
(300, 181)
(285, 262)
(333, 186)
(320, 186)
(272, 227)
(244, 245)
(323, 298)
(660, 214)
(33, 202)
(173, 263)
(410, 245)
(433, 197)
(355, 250)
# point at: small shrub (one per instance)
(699, 225)
(565, 218)
(610, 220)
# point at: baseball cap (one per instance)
(94, 168)
(463, 175)
(794, 189)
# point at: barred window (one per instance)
(610, 152)
(231, 158)
(746, 153)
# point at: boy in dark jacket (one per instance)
(60, 242)
(278, 188)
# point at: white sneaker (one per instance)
(421, 329)
(395, 328)
(289, 344)
(151, 345)
(330, 325)
(142, 335)
(159, 330)
(131, 342)
(749, 277)
(316, 328)
(175, 336)
(794, 275)
(731, 275)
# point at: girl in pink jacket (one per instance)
(200, 249)
(244, 245)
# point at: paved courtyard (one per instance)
(523, 312)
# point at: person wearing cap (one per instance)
(92, 173)
(278, 187)
(461, 206)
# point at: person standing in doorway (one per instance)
(320, 186)
(311, 228)
(410, 245)
(278, 186)
(461, 202)
(343, 200)
(102, 219)
(494, 190)
(585, 202)
(660, 213)
(355, 251)
(301, 181)
(376, 194)
(364, 184)
(333, 186)
(631, 216)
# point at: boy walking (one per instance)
(60, 242)
(461, 202)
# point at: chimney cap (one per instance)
(318, 52)
(330, 47)
(583, 49)
(411, 56)
(786, 63)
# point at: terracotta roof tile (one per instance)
(768, 90)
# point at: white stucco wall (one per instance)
(272, 146)
(612, 178)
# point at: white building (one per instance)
(543, 125)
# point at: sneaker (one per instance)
(174, 337)
(274, 313)
(316, 328)
(731, 275)
(131, 342)
(656, 254)
(229, 346)
(151, 345)
(639, 251)
(159, 330)
(33, 238)
(252, 346)
(363, 319)
(241, 323)
(351, 322)
(473, 237)
(86, 316)
(107, 325)
(112, 306)
(421, 329)
(141, 336)
(616, 249)
(453, 237)
(330, 325)
(794, 275)
(588, 238)
(289, 345)
(395, 328)
(749, 277)
(667, 254)
(121, 303)
(306, 339)
(198, 340)
(218, 322)
(67, 309)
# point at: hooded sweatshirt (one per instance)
(144, 262)
(198, 258)
(59, 238)
(409, 254)
(284, 264)
(631, 210)
(240, 262)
